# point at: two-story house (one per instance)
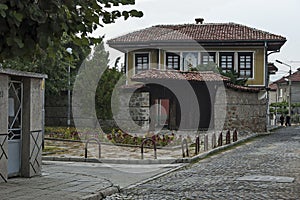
(169, 52)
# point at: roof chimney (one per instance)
(199, 20)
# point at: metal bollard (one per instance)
(184, 141)
(235, 136)
(228, 137)
(86, 146)
(142, 147)
(205, 142)
(213, 141)
(220, 140)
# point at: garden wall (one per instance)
(244, 111)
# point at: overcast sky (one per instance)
(275, 16)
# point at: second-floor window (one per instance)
(245, 67)
(207, 58)
(173, 61)
(141, 62)
(226, 61)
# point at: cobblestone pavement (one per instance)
(266, 168)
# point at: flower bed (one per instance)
(115, 137)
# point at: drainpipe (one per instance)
(267, 83)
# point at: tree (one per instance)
(34, 35)
(107, 82)
(28, 27)
(55, 67)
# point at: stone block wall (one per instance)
(139, 108)
(244, 111)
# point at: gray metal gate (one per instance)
(15, 102)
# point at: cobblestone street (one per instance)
(266, 168)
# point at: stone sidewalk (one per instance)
(68, 180)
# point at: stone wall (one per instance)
(134, 111)
(245, 112)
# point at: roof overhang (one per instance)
(272, 45)
(12, 72)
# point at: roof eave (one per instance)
(273, 45)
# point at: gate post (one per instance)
(3, 128)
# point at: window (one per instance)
(227, 61)
(245, 65)
(207, 58)
(141, 62)
(173, 61)
(280, 92)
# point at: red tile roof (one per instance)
(295, 77)
(205, 76)
(199, 32)
(155, 74)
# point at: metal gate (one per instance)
(15, 102)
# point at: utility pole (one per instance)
(290, 84)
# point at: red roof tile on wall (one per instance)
(178, 75)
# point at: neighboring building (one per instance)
(273, 97)
(170, 51)
(283, 88)
(283, 92)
